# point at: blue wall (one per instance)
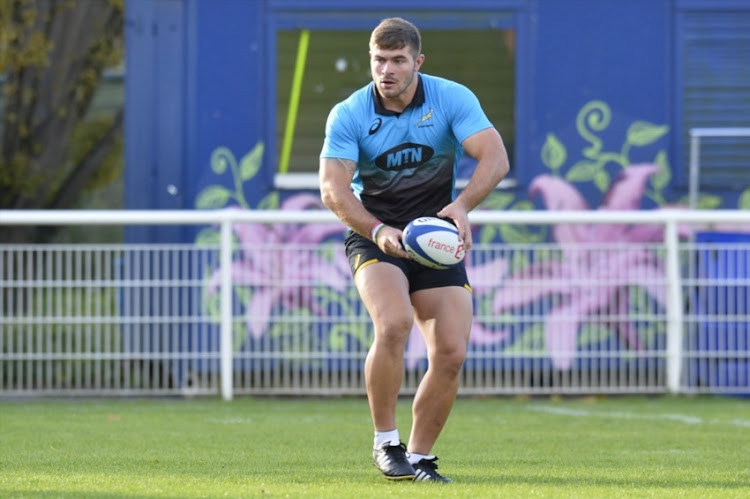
(199, 78)
(194, 82)
(154, 107)
(616, 52)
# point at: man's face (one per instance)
(393, 71)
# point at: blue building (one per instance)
(226, 99)
(226, 102)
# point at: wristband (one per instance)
(376, 228)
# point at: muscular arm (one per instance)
(335, 191)
(488, 149)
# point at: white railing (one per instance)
(161, 298)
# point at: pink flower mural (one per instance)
(597, 266)
(278, 265)
(586, 289)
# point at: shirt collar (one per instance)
(418, 99)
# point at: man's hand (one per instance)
(492, 165)
(460, 217)
(389, 241)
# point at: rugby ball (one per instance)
(433, 242)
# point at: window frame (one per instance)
(681, 139)
(509, 16)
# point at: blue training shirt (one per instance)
(406, 162)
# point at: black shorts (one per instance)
(362, 252)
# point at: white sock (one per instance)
(414, 458)
(390, 437)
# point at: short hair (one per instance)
(396, 33)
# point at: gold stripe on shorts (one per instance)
(365, 264)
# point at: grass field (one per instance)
(492, 447)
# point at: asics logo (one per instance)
(375, 126)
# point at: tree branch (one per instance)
(69, 192)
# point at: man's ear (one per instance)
(418, 62)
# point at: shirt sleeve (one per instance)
(468, 116)
(341, 137)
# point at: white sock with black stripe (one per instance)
(414, 458)
(391, 437)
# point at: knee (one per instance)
(449, 360)
(394, 330)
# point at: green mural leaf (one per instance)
(302, 319)
(592, 334)
(239, 335)
(483, 307)
(705, 201)
(744, 202)
(340, 334)
(554, 153)
(583, 171)
(250, 164)
(595, 116)
(498, 201)
(642, 133)
(641, 303)
(270, 202)
(524, 205)
(212, 306)
(661, 179)
(519, 234)
(244, 294)
(487, 234)
(708, 202)
(212, 197)
(337, 337)
(278, 329)
(602, 180)
(490, 318)
(531, 340)
(220, 159)
(518, 262)
(208, 237)
(328, 297)
(529, 233)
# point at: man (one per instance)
(390, 156)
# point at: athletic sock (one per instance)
(414, 458)
(391, 437)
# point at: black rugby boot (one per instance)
(391, 460)
(426, 471)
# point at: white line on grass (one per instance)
(231, 420)
(680, 418)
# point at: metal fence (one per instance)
(269, 307)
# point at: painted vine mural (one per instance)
(292, 282)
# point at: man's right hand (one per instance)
(389, 241)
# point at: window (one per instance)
(337, 64)
(715, 77)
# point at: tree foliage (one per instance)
(52, 54)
